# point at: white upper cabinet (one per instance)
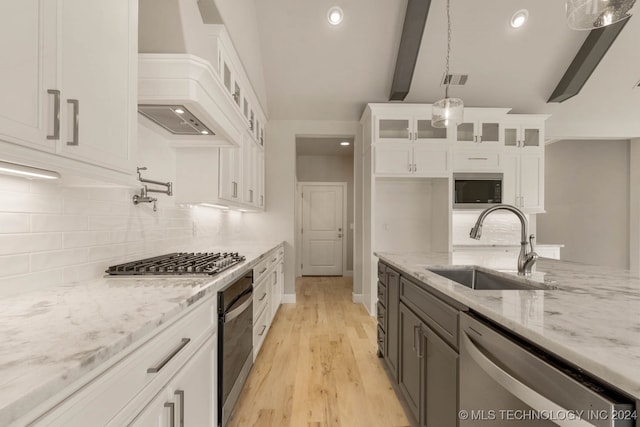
(68, 81)
(407, 128)
(98, 51)
(523, 181)
(480, 126)
(524, 131)
(28, 73)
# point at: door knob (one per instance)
(340, 236)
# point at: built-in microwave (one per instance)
(476, 190)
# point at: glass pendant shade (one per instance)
(447, 112)
(590, 14)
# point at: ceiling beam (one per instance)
(586, 60)
(415, 20)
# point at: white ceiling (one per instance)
(314, 71)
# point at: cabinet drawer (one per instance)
(260, 270)
(382, 294)
(147, 367)
(441, 317)
(260, 329)
(260, 297)
(476, 161)
(382, 269)
(381, 340)
(381, 314)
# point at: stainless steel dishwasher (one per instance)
(505, 381)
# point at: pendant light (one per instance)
(591, 14)
(447, 111)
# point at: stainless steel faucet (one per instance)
(526, 258)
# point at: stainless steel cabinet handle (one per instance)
(56, 114)
(172, 413)
(235, 189)
(410, 167)
(180, 394)
(263, 296)
(264, 327)
(263, 270)
(261, 200)
(477, 158)
(76, 121)
(274, 260)
(339, 236)
(163, 362)
(251, 196)
(416, 330)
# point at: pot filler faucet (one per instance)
(526, 258)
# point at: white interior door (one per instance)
(322, 230)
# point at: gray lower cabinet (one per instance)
(441, 383)
(428, 374)
(393, 299)
(410, 371)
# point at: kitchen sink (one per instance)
(483, 280)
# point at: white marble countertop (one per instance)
(505, 246)
(591, 320)
(51, 338)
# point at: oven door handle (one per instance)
(526, 394)
(230, 315)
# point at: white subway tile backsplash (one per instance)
(52, 235)
(29, 242)
(79, 239)
(41, 223)
(13, 265)
(49, 260)
(117, 251)
(29, 203)
(14, 223)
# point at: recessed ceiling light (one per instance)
(345, 143)
(204, 132)
(335, 15)
(179, 110)
(519, 18)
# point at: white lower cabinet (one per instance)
(268, 287)
(189, 399)
(127, 387)
(523, 184)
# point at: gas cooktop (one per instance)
(178, 263)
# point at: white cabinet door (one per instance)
(190, 399)
(523, 181)
(430, 161)
(394, 129)
(27, 72)
(249, 170)
(511, 178)
(260, 178)
(532, 182)
(98, 53)
(425, 132)
(230, 170)
(393, 159)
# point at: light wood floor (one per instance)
(318, 366)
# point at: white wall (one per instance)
(278, 222)
(331, 169)
(587, 201)
(634, 206)
(240, 18)
(51, 234)
(411, 215)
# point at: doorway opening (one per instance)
(324, 205)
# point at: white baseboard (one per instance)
(289, 298)
(348, 273)
(357, 298)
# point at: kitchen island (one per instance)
(589, 317)
(56, 339)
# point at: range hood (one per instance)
(179, 89)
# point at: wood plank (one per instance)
(318, 366)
